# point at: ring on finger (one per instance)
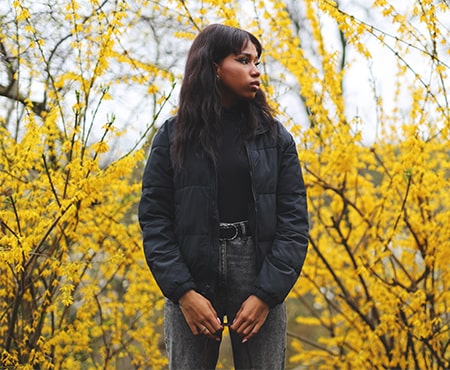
(203, 329)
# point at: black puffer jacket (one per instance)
(179, 217)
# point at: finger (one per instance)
(210, 325)
(214, 324)
(245, 328)
(252, 332)
(206, 332)
(240, 323)
(194, 328)
(201, 330)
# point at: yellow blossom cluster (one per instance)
(75, 292)
(75, 289)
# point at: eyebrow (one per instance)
(248, 55)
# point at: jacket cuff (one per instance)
(267, 298)
(181, 290)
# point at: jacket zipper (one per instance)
(251, 165)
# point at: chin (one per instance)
(250, 96)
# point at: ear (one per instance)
(217, 67)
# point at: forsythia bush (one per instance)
(71, 269)
(377, 277)
(75, 291)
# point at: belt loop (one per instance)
(244, 227)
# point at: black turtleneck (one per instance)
(234, 188)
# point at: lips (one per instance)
(255, 84)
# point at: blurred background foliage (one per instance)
(363, 87)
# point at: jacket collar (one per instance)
(262, 128)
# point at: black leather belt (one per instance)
(235, 230)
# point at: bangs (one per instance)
(232, 40)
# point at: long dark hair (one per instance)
(200, 106)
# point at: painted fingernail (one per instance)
(244, 340)
(218, 320)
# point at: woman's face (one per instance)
(239, 75)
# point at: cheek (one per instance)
(232, 78)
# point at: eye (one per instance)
(247, 61)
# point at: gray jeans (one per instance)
(237, 272)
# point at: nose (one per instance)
(255, 71)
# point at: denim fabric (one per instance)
(237, 272)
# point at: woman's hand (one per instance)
(250, 317)
(200, 315)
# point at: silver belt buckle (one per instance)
(236, 232)
(231, 226)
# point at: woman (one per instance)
(223, 210)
